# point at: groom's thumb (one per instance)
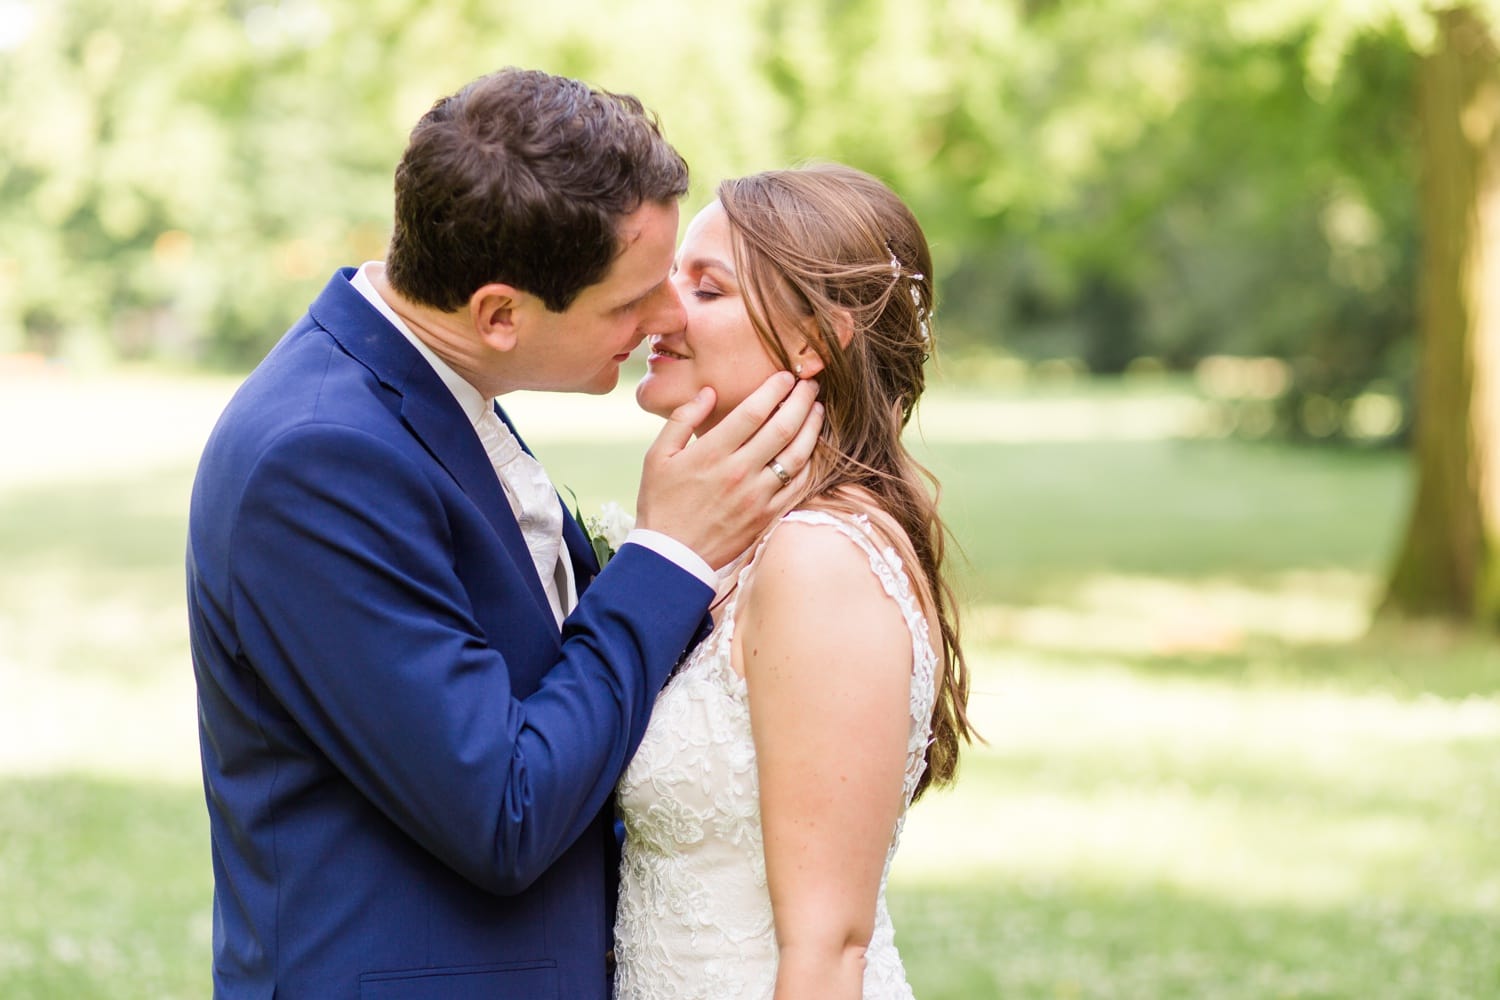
(683, 421)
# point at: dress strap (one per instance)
(884, 563)
(889, 570)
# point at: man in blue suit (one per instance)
(416, 688)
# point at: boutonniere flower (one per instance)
(607, 531)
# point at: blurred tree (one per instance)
(1450, 561)
(174, 165)
(1100, 179)
(180, 176)
(1106, 179)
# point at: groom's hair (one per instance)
(523, 178)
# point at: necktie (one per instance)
(534, 503)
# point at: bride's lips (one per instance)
(660, 353)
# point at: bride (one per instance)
(764, 805)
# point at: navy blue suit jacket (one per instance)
(408, 771)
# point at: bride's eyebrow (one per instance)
(704, 263)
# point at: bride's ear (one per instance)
(806, 362)
(843, 327)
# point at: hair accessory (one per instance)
(916, 296)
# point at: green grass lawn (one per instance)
(1205, 777)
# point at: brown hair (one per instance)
(832, 250)
(523, 177)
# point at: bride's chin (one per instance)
(651, 401)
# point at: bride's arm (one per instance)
(827, 662)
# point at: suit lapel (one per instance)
(585, 563)
(428, 410)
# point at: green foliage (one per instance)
(1240, 215)
(182, 175)
(1102, 181)
(178, 172)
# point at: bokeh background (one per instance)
(1193, 265)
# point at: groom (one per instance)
(412, 712)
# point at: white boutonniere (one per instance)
(607, 531)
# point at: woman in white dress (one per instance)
(763, 807)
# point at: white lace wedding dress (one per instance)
(694, 917)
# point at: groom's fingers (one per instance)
(678, 430)
(789, 434)
(755, 416)
(717, 493)
(794, 457)
(763, 426)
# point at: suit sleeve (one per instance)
(348, 606)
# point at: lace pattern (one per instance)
(694, 919)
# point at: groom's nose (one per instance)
(664, 312)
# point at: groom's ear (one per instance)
(492, 310)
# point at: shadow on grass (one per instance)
(1047, 940)
(1403, 660)
(1028, 516)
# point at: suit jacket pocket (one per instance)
(469, 982)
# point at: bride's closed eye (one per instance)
(706, 291)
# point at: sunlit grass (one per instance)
(1149, 835)
(94, 675)
(1047, 939)
(106, 888)
(1206, 776)
(1268, 793)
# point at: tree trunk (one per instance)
(1450, 561)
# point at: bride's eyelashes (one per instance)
(706, 289)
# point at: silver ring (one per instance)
(780, 471)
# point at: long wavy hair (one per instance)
(832, 253)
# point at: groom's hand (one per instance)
(717, 493)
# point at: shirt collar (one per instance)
(474, 405)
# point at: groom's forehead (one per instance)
(639, 267)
